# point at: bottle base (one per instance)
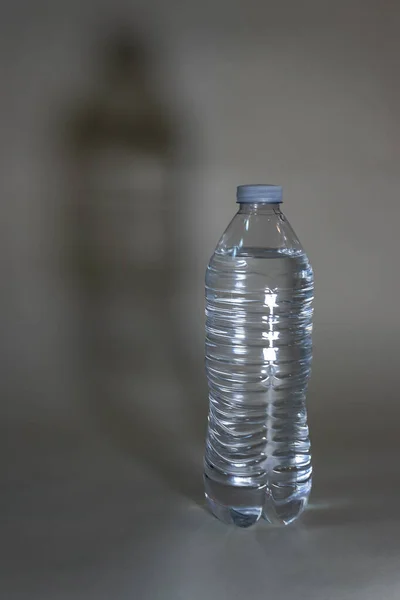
(241, 516)
(284, 504)
(244, 506)
(240, 506)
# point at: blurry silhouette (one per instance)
(123, 219)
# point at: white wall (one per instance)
(301, 94)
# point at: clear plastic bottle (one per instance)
(259, 293)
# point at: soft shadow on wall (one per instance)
(142, 391)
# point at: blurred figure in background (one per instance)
(123, 219)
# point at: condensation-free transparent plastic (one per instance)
(259, 293)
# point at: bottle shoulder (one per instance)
(260, 235)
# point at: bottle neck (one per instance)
(259, 208)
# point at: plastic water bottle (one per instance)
(259, 293)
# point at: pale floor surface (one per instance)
(83, 520)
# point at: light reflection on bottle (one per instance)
(269, 353)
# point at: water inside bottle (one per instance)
(258, 358)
